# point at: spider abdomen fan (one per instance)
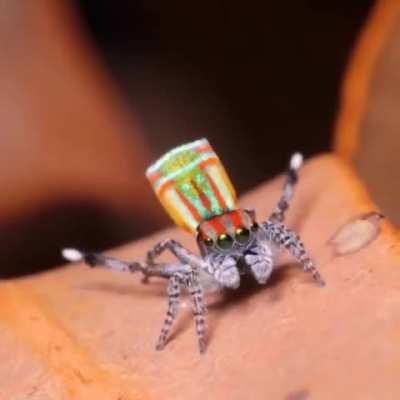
(192, 184)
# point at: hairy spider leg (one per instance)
(283, 237)
(296, 161)
(174, 292)
(101, 260)
(181, 275)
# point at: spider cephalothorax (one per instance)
(229, 231)
(195, 190)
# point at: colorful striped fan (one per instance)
(192, 185)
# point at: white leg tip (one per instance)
(72, 255)
(296, 161)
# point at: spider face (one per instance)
(233, 230)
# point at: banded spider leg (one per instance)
(180, 275)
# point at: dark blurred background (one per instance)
(258, 79)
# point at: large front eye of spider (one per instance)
(242, 235)
(225, 241)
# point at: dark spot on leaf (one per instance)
(298, 395)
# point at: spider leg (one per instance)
(188, 281)
(101, 260)
(199, 311)
(278, 215)
(174, 292)
(179, 275)
(284, 237)
(184, 255)
(223, 269)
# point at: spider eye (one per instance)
(254, 227)
(208, 241)
(225, 241)
(242, 235)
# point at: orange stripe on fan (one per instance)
(189, 206)
(165, 187)
(155, 177)
(210, 161)
(204, 149)
(202, 196)
(217, 193)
